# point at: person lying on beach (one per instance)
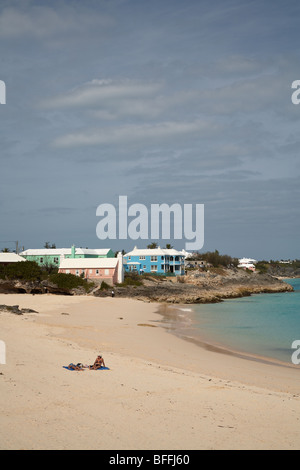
(78, 366)
(99, 362)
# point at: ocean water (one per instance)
(262, 324)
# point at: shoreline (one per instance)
(170, 393)
(209, 343)
(285, 278)
(175, 327)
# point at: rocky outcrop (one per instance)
(33, 287)
(196, 287)
(209, 287)
(283, 271)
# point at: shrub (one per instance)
(24, 270)
(215, 259)
(261, 267)
(69, 281)
(31, 271)
(131, 279)
(104, 286)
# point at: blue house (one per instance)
(155, 261)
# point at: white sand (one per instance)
(161, 392)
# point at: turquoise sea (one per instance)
(262, 324)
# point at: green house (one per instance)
(53, 256)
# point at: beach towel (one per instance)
(101, 368)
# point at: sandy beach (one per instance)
(160, 392)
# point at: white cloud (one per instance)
(96, 92)
(135, 133)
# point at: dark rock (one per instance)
(11, 308)
(15, 309)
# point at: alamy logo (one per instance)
(296, 95)
(295, 356)
(2, 352)
(152, 226)
(2, 92)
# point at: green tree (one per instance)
(48, 246)
(152, 245)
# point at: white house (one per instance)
(8, 258)
(247, 263)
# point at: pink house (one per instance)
(109, 270)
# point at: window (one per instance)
(77, 272)
(67, 271)
(142, 258)
(106, 272)
(97, 272)
(55, 260)
(144, 266)
(41, 260)
(153, 258)
(154, 268)
(129, 257)
(91, 271)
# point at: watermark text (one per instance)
(296, 354)
(2, 92)
(296, 94)
(164, 221)
(2, 352)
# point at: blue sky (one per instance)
(165, 102)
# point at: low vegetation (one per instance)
(131, 279)
(69, 281)
(23, 271)
(30, 271)
(104, 286)
(215, 259)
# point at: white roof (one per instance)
(154, 252)
(64, 251)
(86, 263)
(46, 251)
(186, 254)
(10, 258)
(247, 261)
(92, 251)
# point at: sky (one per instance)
(164, 102)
